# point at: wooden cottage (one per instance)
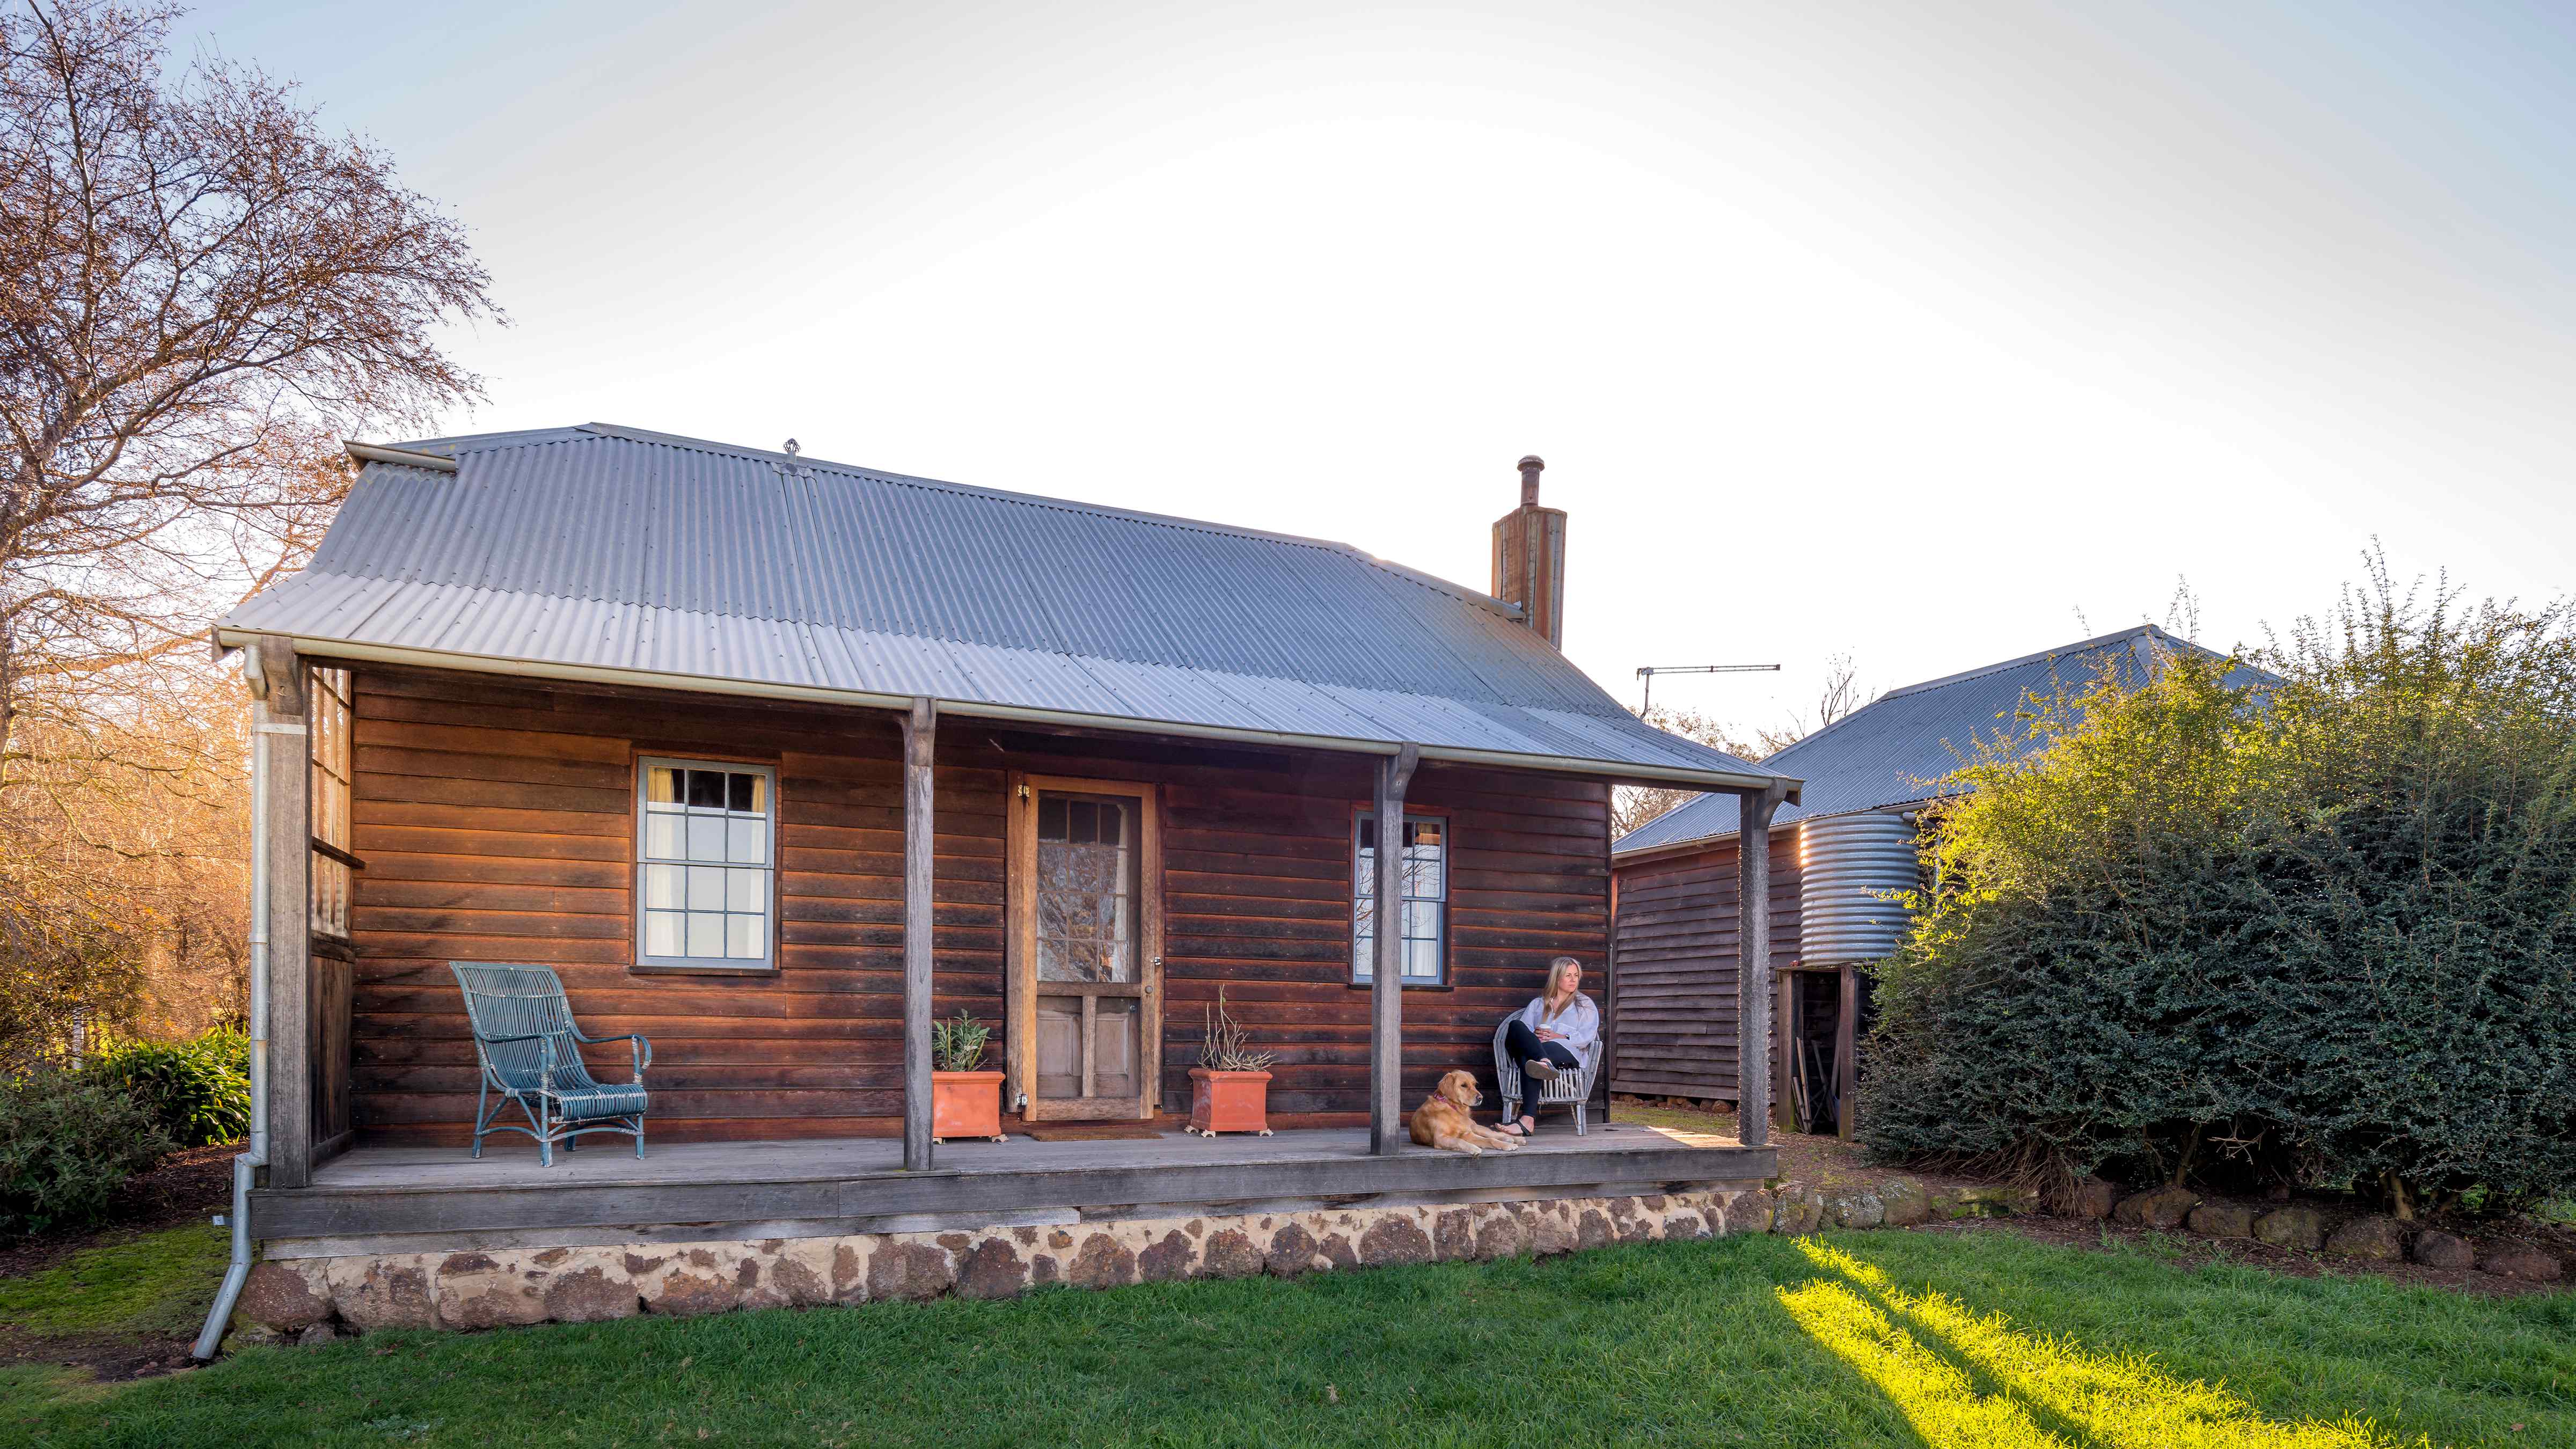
(1836, 857)
(775, 760)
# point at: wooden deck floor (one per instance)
(801, 1188)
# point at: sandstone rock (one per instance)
(1230, 1254)
(2531, 1265)
(1904, 1202)
(991, 1269)
(593, 1294)
(277, 1296)
(1500, 1236)
(1592, 1229)
(801, 1272)
(1855, 1210)
(2437, 1249)
(917, 1272)
(2377, 1239)
(1292, 1251)
(1394, 1240)
(1337, 1251)
(1750, 1212)
(317, 1334)
(690, 1292)
(377, 1293)
(1683, 1224)
(1104, 1262)
(849, 1272)
(1551, 1235)
(2162, 1208)
(1168, 1261)
(2291, 1227)
(1453, 1235)
(1798, 1209)
(2221, 1220)
(1044, 1270)
(2093, 1198)
(476, 1290)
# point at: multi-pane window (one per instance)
(328, 716)
(1086, 888)
(704, 857)
(1421, 914)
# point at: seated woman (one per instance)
(1550, 1035)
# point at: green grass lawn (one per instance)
(1894, 1338)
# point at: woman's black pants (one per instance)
(1525, 1048)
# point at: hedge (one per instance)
(2317, 931)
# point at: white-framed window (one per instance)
(1423, 914)
(706, 843)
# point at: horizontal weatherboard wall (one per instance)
(496, 820)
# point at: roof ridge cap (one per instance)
(1411, 575)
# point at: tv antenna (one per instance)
(1647, 672)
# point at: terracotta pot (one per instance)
(966, 1104)
(1229, 1102)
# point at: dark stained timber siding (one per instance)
(495, 817)
(1677, 968)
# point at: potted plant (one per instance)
(964, 1101)
(1230, 1087)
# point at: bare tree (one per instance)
(203, 288)
(1634, 805)
(200, 289)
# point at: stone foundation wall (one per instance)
(466, 1290)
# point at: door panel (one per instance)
(1085, 948)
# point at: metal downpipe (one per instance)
(210, 1339)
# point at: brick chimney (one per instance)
(1529, 558)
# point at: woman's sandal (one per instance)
(1512, 1129)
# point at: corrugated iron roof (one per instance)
(1903, 746)
(600, 550)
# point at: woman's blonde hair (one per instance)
(1556, 971)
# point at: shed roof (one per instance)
(1901, 748)
(612, 553)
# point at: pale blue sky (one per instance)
(1911, 331)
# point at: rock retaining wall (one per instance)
(468, 1290)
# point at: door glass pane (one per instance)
(1086, 888)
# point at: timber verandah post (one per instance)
(279, 725)
(1386, 968)
(1753, 983)
(920, 728)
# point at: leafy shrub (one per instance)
(66, 1144)
(197, 1092)
(2322, 933)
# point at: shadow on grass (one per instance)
(1919, 1349)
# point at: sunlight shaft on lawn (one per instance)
(2118, 1401)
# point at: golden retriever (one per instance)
(1442, 1120)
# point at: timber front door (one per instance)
(1085, 948)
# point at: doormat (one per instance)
(1095, 1132)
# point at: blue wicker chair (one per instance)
(531, 1053)
(1570, 1089)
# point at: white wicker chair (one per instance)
(1570, 1089)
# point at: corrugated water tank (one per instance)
(1847, 864)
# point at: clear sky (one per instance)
(1931, 333)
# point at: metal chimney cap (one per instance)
(1531, 465)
